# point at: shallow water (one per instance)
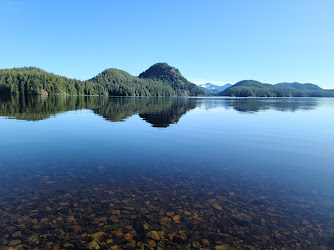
(166, 173)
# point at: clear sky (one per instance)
(208, 41)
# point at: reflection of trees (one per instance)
(34, 108)
(174, 109)
(280, 104)
(158, 111)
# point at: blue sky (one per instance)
(208, 41)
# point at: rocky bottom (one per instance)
(110, 208)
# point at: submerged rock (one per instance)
(14, 242)
(154, 235)
(93, 245)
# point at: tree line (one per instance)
(34, 81)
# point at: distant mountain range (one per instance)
(251, 88)
(212, 89)
(160, 79)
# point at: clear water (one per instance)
(166, 173)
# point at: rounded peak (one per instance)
(115, 72)
(247, 81)
(159, 70)
(162, 65)
(27, 69)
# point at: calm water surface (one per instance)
(166, 173)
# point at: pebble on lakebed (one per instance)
(159, 213)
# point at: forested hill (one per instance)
(166, 74)
(257, 89)
(120, 83)
(159, 80)
(34, 81)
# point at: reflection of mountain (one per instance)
(160, 112)
(169, 115)
(212, 103)
(280, 104)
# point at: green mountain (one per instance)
(120, 83)
(253, 88)
(168, 75)
(34, 81)
(299, 86)
(161, 80)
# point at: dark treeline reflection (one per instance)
(35, 108)
(160, 112)
(279, 104)
(251, 105)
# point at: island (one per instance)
(251, 88)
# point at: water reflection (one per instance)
(160, 112)
(279, 104)
(217, 180)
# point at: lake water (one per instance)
(166, 173)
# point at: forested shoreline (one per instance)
(251, 88)
(113, 82)
(159, 80)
